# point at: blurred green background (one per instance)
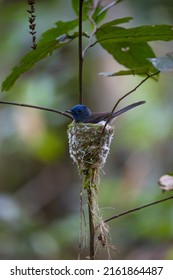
(39, 184)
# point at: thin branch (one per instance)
(108, 6)
(95, 4)
(128, 93)
(137, 209)
(36, 107)
(80, 52)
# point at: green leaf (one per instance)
(134, 71)
(101, 11)
(75, 6)
(115, 22)
(110, 33)
(99, 15)
(131, 55)
(163, 63)
(119, 1)
(60, 29)
(86, 8)
(51, 40)
(103, 8)
(129, 46)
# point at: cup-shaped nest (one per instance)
(89, 144)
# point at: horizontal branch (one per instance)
(36, 107)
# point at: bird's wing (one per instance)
(97, 117)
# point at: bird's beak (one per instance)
(68, 111)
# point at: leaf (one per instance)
(132, 56)
(163, 63)
(51, 40)
(60, 29)
(119, 1)
(101, 12)
(129, 46)
(135, 71)
(110, 33)
(115, 22)
(75, 6)
(86, 7)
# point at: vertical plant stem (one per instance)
(80, 52)
(91, 222)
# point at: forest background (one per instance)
(39, 184)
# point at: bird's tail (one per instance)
(129, 107)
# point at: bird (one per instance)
(82, 114)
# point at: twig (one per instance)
(36, 107)
(136, 209)
(128, 93)
(95, 4)
(80, 52)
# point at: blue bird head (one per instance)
(80, 113)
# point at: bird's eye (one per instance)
(79, 111)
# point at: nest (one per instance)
(89, 145)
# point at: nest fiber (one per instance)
(89, 144)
